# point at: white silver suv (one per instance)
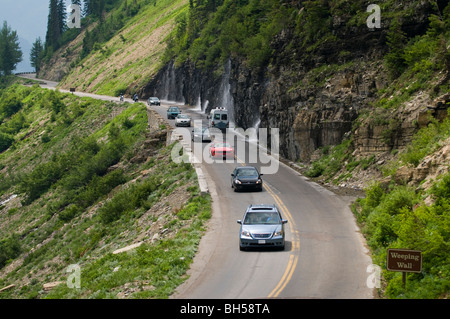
(262, 226)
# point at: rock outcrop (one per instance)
(313, 95)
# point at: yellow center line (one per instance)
(293, 258)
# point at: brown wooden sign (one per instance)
(404, 260)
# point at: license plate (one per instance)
(261, 241)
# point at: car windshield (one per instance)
(173, 109)
(247, 172)
(154, 98)
(182, 116)
(222, 145)
(269, 218)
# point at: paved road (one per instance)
(325, 256)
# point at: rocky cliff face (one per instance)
(313, 97)
(308, 116)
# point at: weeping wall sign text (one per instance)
(404, 260)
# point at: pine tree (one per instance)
(94, 7)
(10, 53)
(56, 24)
(395, 59)
(36, 54)
(62, 16)
(53, 28)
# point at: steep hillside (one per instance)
(124, 63)
(82, 180)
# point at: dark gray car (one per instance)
(153, 101)
(262, 226)
(246, 177)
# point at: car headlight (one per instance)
(238, 182)
(258, 181)
(278, 233)
(245, 233)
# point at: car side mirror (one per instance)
(232, 174)
(261, 174)
(239, 221)
(284, 221)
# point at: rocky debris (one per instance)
(7, 288)
(51, 285)
(428, 170)
(127, 248)
(131, 287)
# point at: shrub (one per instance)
(10, 104)
(38, 181)
(426, 141)
(10, 248)
(399, 219)
(6, 140)
(69, 213)
(132, 198)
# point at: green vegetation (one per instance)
(105, 29)
(10, 53)
(122, 51)
(58, 34)
(151, 270)
(397, 218)
(417, 61)
(83, 192)
(331, 160)
(211, 31)
(426, 141)
(397, 215)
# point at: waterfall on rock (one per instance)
(172, 91)
(198, 104)
(225, 98)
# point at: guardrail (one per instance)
(22, 73)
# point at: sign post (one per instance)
(404, 260)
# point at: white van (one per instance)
(218, 118)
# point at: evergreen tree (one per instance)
(10, 53)
(53, 28)
(62, 16)
(395, 59)
(36, 54)
(94, 7)
(56, 24)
